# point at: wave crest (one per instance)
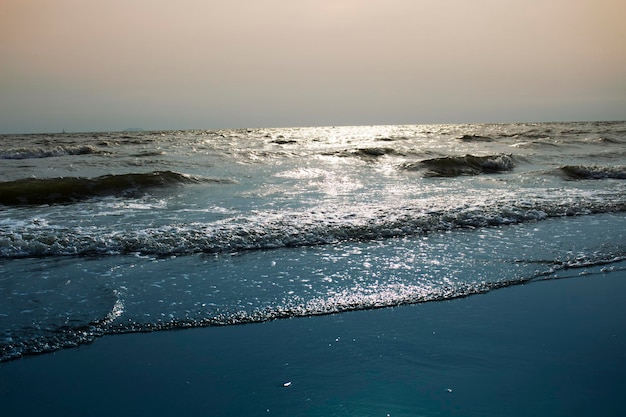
(454, 166)
(294, 229)
(475, 138)
(37, 153)
(581, 172)
(38, 191)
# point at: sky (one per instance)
(104, 65)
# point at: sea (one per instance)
(105, 233)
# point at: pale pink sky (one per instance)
(157, 64)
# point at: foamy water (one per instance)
(118, 232)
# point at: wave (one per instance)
(23, 340)
(454, 166)
(272, 230)
(283, 141)
(475, 138)
(366, 153)
(59, 334)
(39, 191)
(581, 172)
(535, 144)
(148, 154)
(606, 139)
(387, 295)
(393, 138)
(37, 153)
(375, 152)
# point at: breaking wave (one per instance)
(475, 138)
(580, 172)
(454, 166)
(55, 333)
(322, 221)
(36, 153)
(287, 229)
(50, 336)
(38, 191)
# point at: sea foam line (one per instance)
(272, 230)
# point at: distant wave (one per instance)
(454, 166)
(36, 191)
(148, 154)
(537, 144)
(475, 138)
(581, 172)
(604, 139)
(367, 153)
(393, 138)
(283, 141)
(36, 153)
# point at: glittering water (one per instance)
(119, 232)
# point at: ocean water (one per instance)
(120, 232)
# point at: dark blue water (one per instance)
(551, 348)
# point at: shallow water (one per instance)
(551, 348)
